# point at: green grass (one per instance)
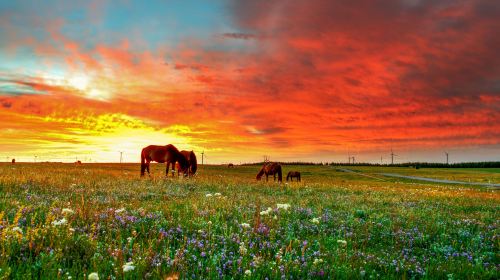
(339, 225)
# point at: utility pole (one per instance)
(121, 156)
(352, 159)
(446, 157)
(202, 155)
(380, 160)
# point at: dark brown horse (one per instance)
(270, 168)
(293, 174)
(192, 163)
(163, 154)
(230, 165)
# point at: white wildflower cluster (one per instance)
(317, 261)
(60, 222)
(208, 195)
(245, 225)
(243, 249)
(342, 242)
(315, 220)
(68, 211)
(217, 194)
(266, 212)
(93, 276)
(283, 206)
(117, 211)
(128, 267)
(248, 272)
(17, 229)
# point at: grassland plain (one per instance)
(62, 221)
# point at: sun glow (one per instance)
(79, 82)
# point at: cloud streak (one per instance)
(309, 76)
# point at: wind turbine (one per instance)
(202, 156)
(121, 156)
(446, 157)
(392, 156)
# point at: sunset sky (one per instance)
(296, 80)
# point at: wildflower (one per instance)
(362, 273)
(209, 223)
(67, 211)
(129, 239)
(217, 194)
(128, 267)
(266, 212)
(284, 206)
(243, 249)
(119, 210)
(60, 222)
(317, 261)
(93, 276)
(208, 195)
(342, 242)
(17, 229)
(248, 272)
(245, 225)
(315, 220)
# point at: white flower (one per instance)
(208, 195)
(93, 276)
(209, 222)
(248, 272)
(266, 212)
(315, 220)
(317, 261)
(245, 225)
(128, 267)
(119, 210)
(17, 229)
(60, 222)
(67, 211)
(129, 239)
(283, 206)
(342, 242)
(243, 249)
(275, 217)
(217, 194)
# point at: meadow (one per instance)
(102, 221)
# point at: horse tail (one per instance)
(143, 162)
(193, 162)
(280, 177)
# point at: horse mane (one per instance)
(179, 156)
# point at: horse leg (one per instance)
(147, 168)
(298, 178)
(166, 171)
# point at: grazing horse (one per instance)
(270, 168)
(230, 165)
(163, 154)
(293, 174)
(13, 160)
(192, 163)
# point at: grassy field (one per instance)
(62, 221)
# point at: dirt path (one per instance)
(439, 180)
(495, 186)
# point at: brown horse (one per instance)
(230, 165)
(293, 174)
(270, 168)
(162, 154)
(192, 162)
